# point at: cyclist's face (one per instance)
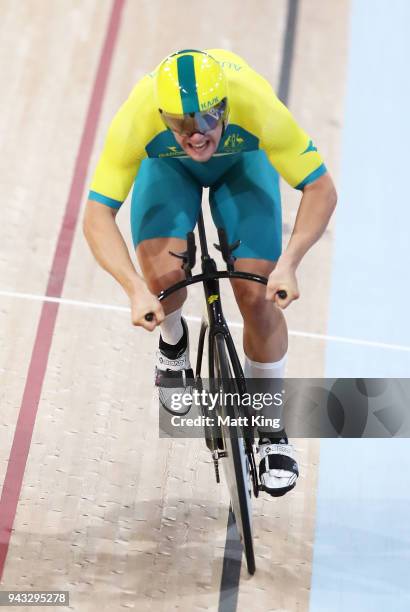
(199, 146)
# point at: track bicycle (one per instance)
(233, 445)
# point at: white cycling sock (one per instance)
(171, 327)
(274, 369)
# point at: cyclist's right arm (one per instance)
(113, 177)
(108, 247)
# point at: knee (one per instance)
(158, 282)
(250, 298)
(158, 268)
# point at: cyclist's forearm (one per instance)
(315, 209)
(108, 246)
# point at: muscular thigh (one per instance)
(246, 202)
(165, 201)
(160, 269)
(165, 204)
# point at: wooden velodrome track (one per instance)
(107, 510)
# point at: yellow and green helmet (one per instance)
(191, 84)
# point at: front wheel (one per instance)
(235, 464)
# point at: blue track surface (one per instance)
(362, 544)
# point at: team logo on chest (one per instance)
(234, 142)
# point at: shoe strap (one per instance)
(275, 449)
(174, 379)
(280, 462)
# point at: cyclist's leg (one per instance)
(160, 270)
(265, 337)
(165, 204)
(247, 204)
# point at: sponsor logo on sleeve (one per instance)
(310, 148)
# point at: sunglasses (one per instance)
(203, 121)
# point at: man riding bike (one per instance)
(207, 119)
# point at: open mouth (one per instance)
(199, 148)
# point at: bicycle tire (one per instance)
(234, 464)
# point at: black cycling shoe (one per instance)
(278, 470)
(173, 374)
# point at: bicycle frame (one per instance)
(215, 322)
(210, 276)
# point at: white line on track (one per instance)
(68, 302)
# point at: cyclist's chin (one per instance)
(202, 154)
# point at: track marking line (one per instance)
(20, 448)
(193, 319)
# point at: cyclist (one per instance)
(207, 119)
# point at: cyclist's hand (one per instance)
(142, 303)
(283, 278)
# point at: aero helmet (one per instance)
(191, 92)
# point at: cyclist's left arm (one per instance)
(315, 209)
(296, 158)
